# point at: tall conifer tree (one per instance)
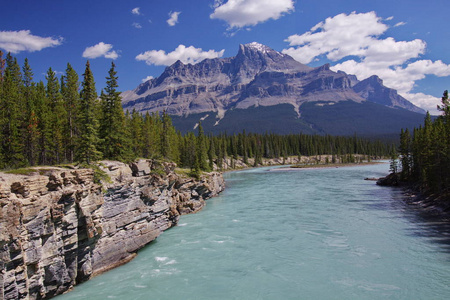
(2, 116)
(87, 151)
(11, 107)
(112, 127)
(202, 152)
(71, 97)
(58, 113)
(31, 120)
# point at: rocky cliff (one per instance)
(58, 227)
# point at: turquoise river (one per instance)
(291, 234)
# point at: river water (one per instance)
(291, 234)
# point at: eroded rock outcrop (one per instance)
(59, 228)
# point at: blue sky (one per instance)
(405, 42)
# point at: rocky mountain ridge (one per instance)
(256, 76)
(60, 228)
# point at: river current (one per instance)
(291, 234)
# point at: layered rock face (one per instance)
(59, 228)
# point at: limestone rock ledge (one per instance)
(59, 228)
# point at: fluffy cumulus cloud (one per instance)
(136, 11)
(99, 50)
(242, 13)
(185, 54)
(173, 18)
(355, 42)
(23, 40)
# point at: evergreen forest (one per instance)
(425, 153)
(64, 120)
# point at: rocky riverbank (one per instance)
(305, 161)
(59, 227)
(438, 204)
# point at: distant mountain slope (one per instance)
(343, 118)
(255, 84)
(373, 90)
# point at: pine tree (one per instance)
(151, 136)
(405, 153)
(136, 124)
(169, 139)
(2, 66)
(112, 126)
(202, 152)
(211, 153)
(87, 151)
(31, 120)
(44, 115)
(58, 116)
(11, 108)
(71, 97)
(2, 116)
(393, 166)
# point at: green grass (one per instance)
(28, 171)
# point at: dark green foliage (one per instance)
(425, 157)
(151, 132)
(393, 164)
(88, 142)
(405, 154)
(58, 118)
(135, 127)
(202, 149)
(113, 135)
(31, 131)
(12, 119)
(69, 90)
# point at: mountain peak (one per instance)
(258, 47)
(259, 50)
(375, 79)
(257, 57)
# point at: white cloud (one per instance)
(136, 25)
(136, 11)
(399, 24)
(241, 13)
(355, 40)
(337, 37)
(185, 54)
(147, 78)
(427, 102)
(101, 49)
(173, 18)
(23, 40)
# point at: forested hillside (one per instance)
(425, 154)
(64, 120)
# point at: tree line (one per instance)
(425, 153)
(64, 120)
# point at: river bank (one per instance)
(64, 226)
(302, 161)
(321, 234)
(61, 227)
(438, 204)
